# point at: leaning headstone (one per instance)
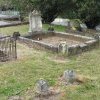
(69, 76)
(35, 22)
(60, 21)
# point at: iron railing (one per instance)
(7, 48)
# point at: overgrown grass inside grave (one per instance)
(31, 65)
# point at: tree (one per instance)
(50, 9)
(86, 10)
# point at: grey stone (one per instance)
(72, 50)
(69, 76)
(42, 87)
(84, 47)
(35, 22)
(60, 21)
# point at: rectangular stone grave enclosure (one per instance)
(65, 43)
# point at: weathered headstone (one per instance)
(42, 87)
(63, 47)
(35, 22)
(69, 76)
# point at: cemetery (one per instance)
(60, 42)
(45, 59)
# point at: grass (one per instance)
(23, 29)
(18, 76)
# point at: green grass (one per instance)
(18, 76)
(23, 29)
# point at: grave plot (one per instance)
(59, 42)
(65, 43)
(7, 48)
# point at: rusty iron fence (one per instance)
(8, 50)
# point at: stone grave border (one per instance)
(90, 44)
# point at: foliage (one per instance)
(86, 10)
(50, 9)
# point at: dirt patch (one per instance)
(55, 40)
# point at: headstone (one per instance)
(35, 22)
(69, 76)
(42, 87)
(63, 47)
(60, 21)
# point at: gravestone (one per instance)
(63, 48)
(35, 22)
(69, 76)
(42, 87)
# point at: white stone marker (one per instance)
(35, 22)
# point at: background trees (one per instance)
(87, 11)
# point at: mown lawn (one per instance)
(18, 76)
